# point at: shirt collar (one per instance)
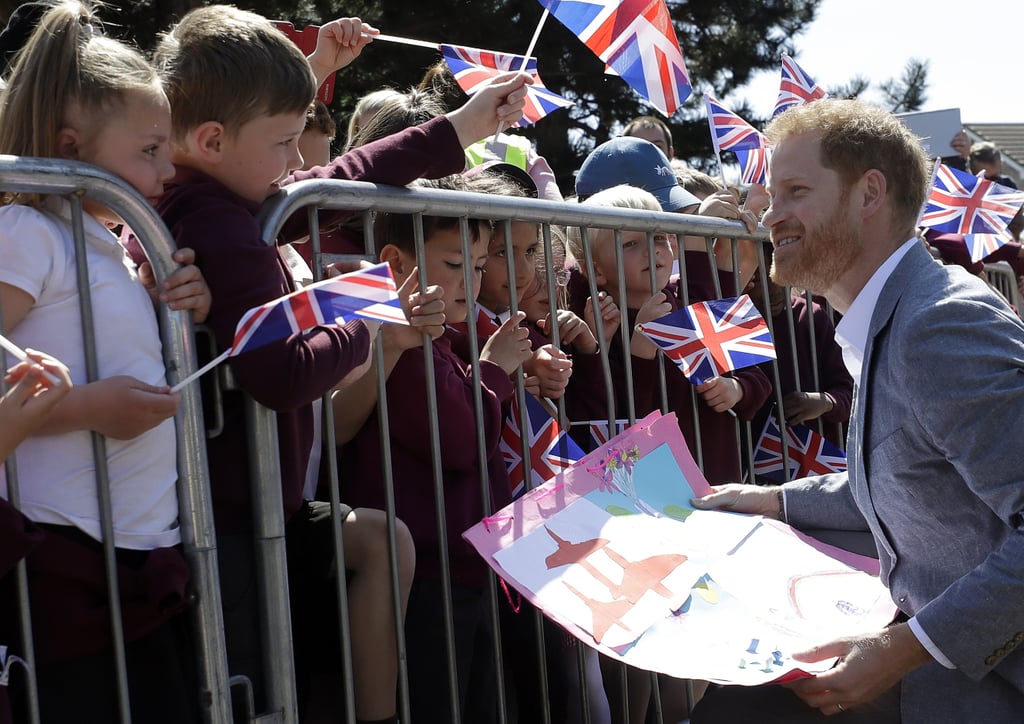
(852, 330)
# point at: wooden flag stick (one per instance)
(526, 59)
(19, 353)
(404, 41)
(201, 371)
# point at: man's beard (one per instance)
(826, 252)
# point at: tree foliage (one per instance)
(908, 93)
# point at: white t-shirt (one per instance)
(56, 473)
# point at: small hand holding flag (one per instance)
(369, 293)
(708, 339)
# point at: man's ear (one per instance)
(68, 141)
(206, 140)
(873, 188)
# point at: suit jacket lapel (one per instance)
(908, 270)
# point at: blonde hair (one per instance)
(366, 108)
(697, 182)
(231, 66)
(620, 197)
(387, 114)
(66, 65)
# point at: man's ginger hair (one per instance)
(856, 137)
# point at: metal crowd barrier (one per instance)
(79, 181)
(311, 197)
(1001, 277)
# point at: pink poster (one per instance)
(613, 551)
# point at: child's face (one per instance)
(132, 144)
(444, 265)
(534, 302)
(494, 290)
(264, 151)
(636, 265)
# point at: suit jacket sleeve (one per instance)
(969, 406)
(823, 501)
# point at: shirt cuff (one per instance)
(932, 649)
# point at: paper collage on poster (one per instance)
(613, 551)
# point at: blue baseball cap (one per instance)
(635, 162)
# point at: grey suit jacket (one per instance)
(937, 475)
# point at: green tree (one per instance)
(909, 92)
(903, 94)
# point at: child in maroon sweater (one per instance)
(235, 142)
(701, 409)
(412, 463)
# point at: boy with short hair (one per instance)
(239, 90)
(412, 458)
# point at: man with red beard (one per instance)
(938, 364)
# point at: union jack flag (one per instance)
(959, 203)
(598, 432)
(475, 68)
(707, 339)
(981, 245)
(636, 41)
(753, 164)
(797, 88)
(551, 448)
(729, 132)
(368, 292)
(809, 453)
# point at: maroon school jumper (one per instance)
(243, 272)
(411, 459)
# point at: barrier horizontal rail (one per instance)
(362, 196)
